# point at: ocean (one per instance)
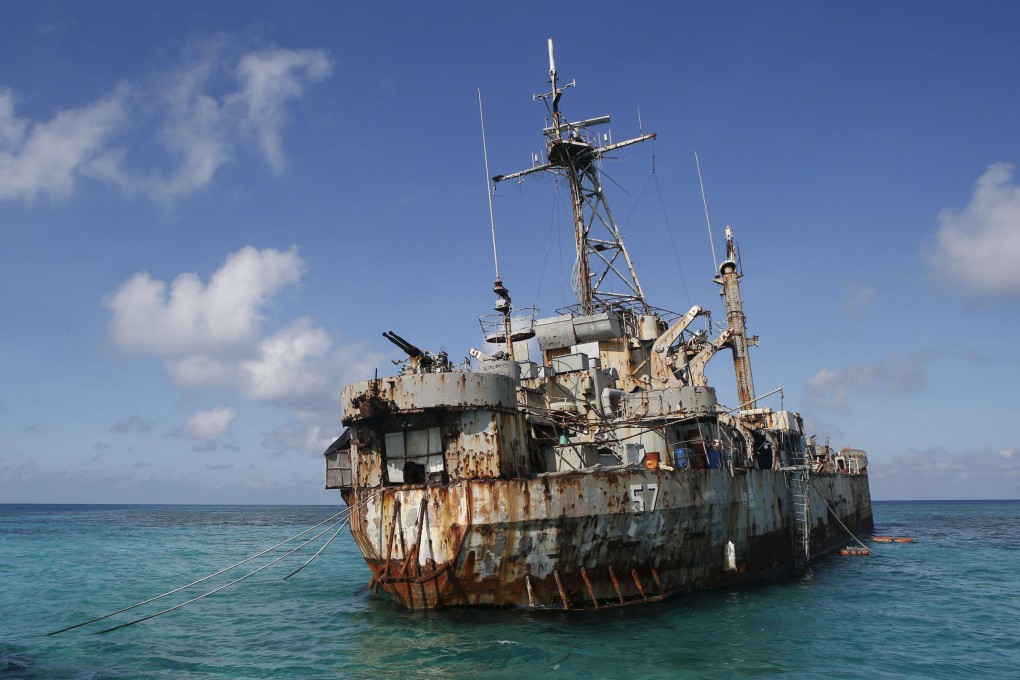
(945, 606)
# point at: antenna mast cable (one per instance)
(704, 201)
(488, 187)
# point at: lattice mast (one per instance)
(574, 151)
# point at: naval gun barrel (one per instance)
(412, 351)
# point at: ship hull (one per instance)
(585, 540)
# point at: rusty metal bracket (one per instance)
(559, 586)
(637, 582)
(616, 584)
(587, 583)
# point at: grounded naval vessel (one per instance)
(603, 474)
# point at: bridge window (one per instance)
(412, 455)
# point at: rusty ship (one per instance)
(602, 474)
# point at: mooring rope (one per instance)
(346, 511)
(216, 590)
(319, 551)
(822, 499)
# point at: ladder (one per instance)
(799, 481)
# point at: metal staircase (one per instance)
(799, 481)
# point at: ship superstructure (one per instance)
(605, 472)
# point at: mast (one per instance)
(729, 279)
(573, 151)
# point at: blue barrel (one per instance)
(680, 458)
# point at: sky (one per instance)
(210, 212)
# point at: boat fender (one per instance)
(731, 556)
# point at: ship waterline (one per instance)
(595, 538)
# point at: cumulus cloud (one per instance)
(896, 373)
(283, 369)
(48, 157)
(208, 425)
(222, 316)
(978, 247)
(197, 124)
(211, 336)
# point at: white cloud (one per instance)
(979, 246)
(268, 80)
(210, 336)
(222, 316)
(195, 120)
(938, 474)
(208, 425)
(284, 370)
(195, 132)
(295, 436)
(895, 373)
(48, 157)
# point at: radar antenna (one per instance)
(574, 151)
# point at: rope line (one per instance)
(346, 511)
(204, 578)
(319, 551)
(834, 514)
(211, 592)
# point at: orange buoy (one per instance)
(882, 539)
(903, 539)
(844, 552)
(865, 552)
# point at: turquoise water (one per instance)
(945, 606)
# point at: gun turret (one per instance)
(419, 359)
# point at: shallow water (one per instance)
(944, 606)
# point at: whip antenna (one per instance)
(704, 201)
(488, 188)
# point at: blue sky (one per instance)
(209, 212)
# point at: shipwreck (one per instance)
(603, 472)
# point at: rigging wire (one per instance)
(669, 228)
(704, 200)
(488, 187)
(548, 244)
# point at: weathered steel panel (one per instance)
(419, 391)
(482, 540)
